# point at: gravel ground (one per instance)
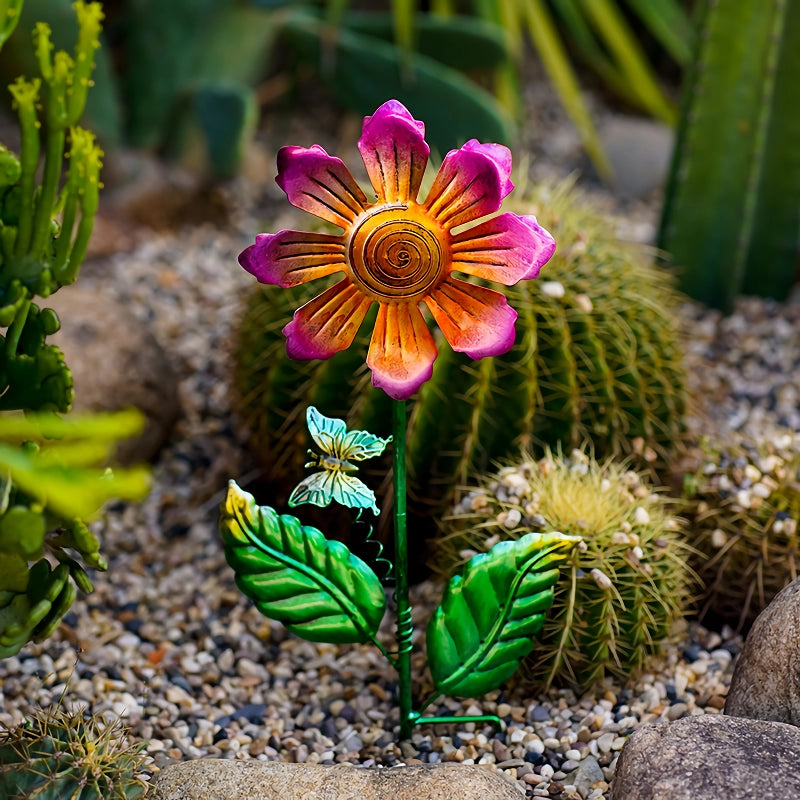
(168, 643)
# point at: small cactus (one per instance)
(743, 503)
(61, 755)
(596, 358)
(620, 595)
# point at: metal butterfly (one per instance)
(339, 448)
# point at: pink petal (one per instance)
(402, 350)
(475, 320)
(289, 258)
(471, 183)
(506, 249)
(320, 184)
(326, 324)
(393, 147)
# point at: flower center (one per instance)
(396, 252)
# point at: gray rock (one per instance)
(224, 779)
(639, 151)
(116, 363)
(588, 773)
(707, 758)
(766, 678)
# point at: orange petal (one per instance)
(475, 320)
(289, 258)
(320, 184)
(402, 350)
(393, 147)
(506, 249)
(326, 324)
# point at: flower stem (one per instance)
(405, 625)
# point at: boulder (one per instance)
(709, 757)
(116, 363)
(766, 678)
(224, 779)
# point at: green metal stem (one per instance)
(405, 625)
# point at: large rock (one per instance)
(222, 779)
(116, 363)
(766, 679)
(709, 758)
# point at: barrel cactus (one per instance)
(61, 755)
(743, 503)
(596, 358)
(618, 598)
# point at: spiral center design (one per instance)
(396, 253)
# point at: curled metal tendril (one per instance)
(386, 564)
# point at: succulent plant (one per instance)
(743, 503)
(619, 596)
(62, 755)
(596, 358)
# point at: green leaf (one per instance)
(362, 72)
(313, 585)
(490, 613)
(68, 490)
(22, 532)
(547, 41)
(461, 42)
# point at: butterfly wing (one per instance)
(327, 433)
(321, 488)
(358, 445)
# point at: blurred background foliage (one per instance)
(175, 70)
(190, 79)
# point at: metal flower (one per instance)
(399, 252)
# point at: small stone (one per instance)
(676, 711)
(605, 741)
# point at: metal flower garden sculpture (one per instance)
(399, 253)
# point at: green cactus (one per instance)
(60, 755)
(618, 597)
(743, 504)
(596, 358)
(730, 217)
(48, 487)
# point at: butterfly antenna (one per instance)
(369, 537)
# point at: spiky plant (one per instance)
(743, 503)
(619, 597)
(596, 358)
(62, 755)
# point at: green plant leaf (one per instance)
(669, 23)
(490, 613)
(547, 41)
(363, 71)
(313, 585)
(461, 42)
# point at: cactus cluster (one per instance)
(618, 597)
(62, 755)
(48, 487)
(596, 358)
(743, 503)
